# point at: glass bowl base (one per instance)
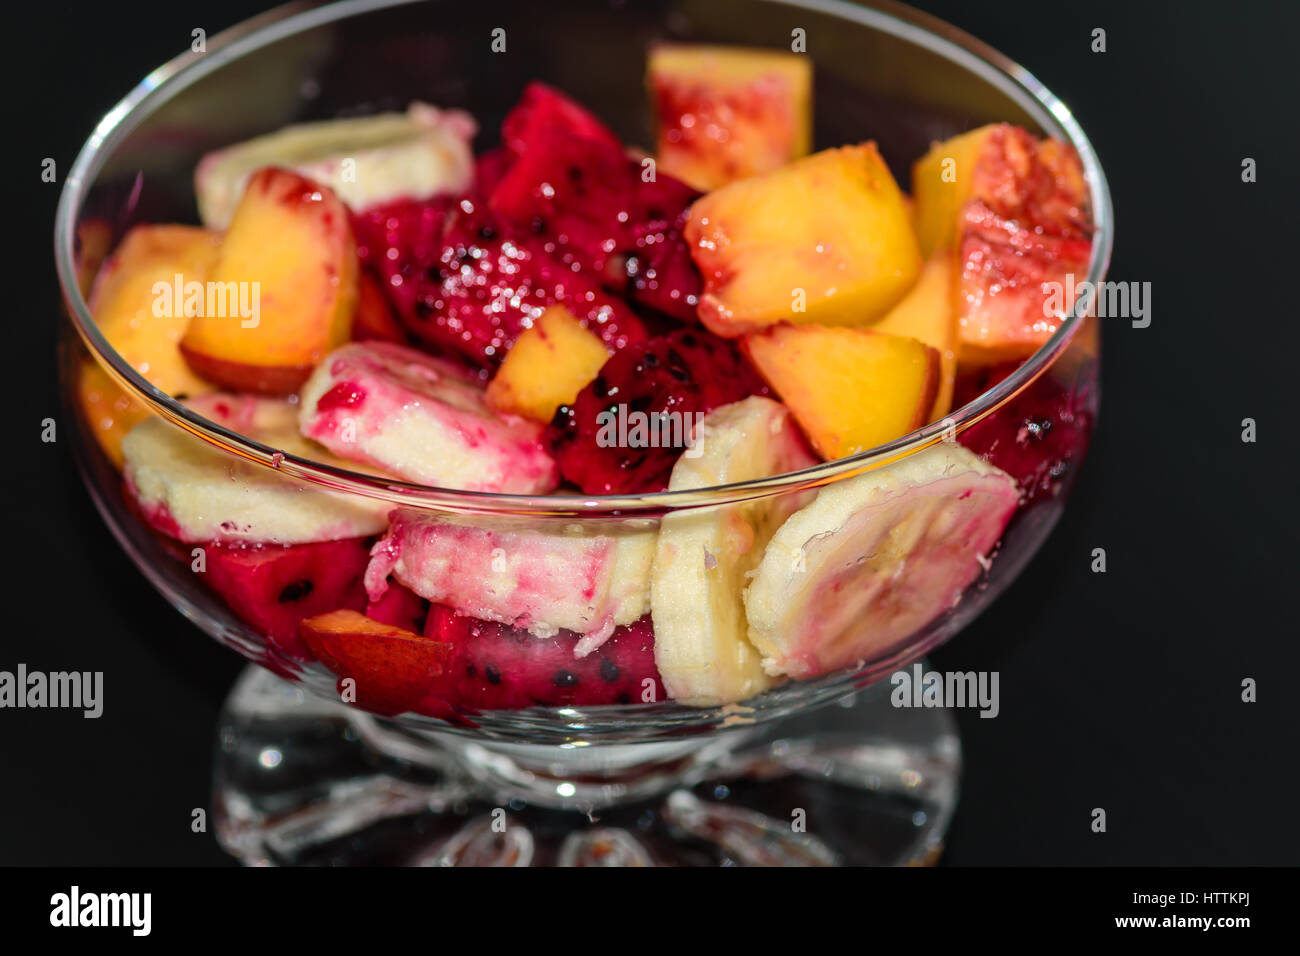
(304, 781)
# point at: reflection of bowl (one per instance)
(891, 75)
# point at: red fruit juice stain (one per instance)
(342, 395)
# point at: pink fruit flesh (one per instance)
(570, 182)
(400, 607)
(496, 667)
(686, 373)
(1039, 437)
(464, 282)
(273, 587)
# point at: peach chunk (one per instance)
(825, 240)
(849, 389)
(1014, 210)
(928, 313)
(139, 319)
(290, 263)
(943, 181)
(391, 669)
(108, 410)
(546, 367)
(726, 113)
(134, 300)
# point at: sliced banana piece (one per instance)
(537, 576)
(196, 493)
(874, 558)
(702, 556)
(365, 160)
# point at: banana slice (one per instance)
(191, 491)
(538, 577)
(702, 556)
(423, 418)
(366, 160)
(874, 558)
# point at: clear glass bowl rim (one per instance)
(894, 19)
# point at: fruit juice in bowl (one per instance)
(566, 461)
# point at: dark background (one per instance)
(1119, 690)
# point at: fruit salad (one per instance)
(566, 314)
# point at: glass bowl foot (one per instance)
(304, 781)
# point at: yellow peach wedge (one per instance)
(132, 300)
(826, 240)
(928, 313)
(290, 262)
(849, 389)
(546, 367)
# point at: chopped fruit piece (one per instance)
(703, 557)
(874, 558)
(661, 273)
(1004, 299)
(581, 579)
(569, 183)
(461, 281)
(400, 607)
(547, 367)
(423, 419)
(542, 108)
(1014, 209)
(727, 113)
(195, 492)
(849, 389)
(288, 270)
(637, 416)
(143, 325)
(108, 410)
(393, 670)
(1007, 169)
(928, 314)
(493, 666)
(571, 191)
(826, 239)
(273, 587)
(567, 179)
(365, 160)
(374, 318)
(1039, 437)
(943, 181)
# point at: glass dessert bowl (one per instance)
(646, 645)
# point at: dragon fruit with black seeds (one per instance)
(497, 667)
(273, 587)
(465, 283)
(1038, 437)
(570, 181)
(683, 374)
